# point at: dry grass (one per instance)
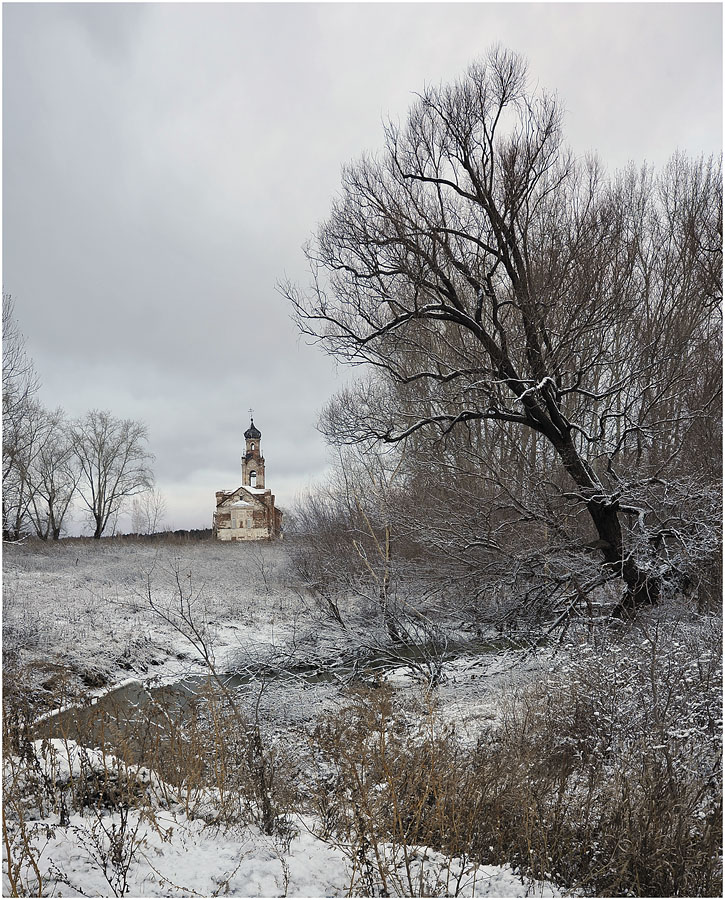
(605, 777)
(202, 758)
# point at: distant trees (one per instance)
(53, 477)
(48, 462)
(39, 475)
(533, 324)
(114, 463)
(147, 512)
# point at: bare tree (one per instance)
(23, 438)
(114, 464)
(350, 545)
(491, 277)
(53, 477)
(147, 512)
(20, 380)
(20, 385)
(344, 533)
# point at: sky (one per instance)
(165, 163)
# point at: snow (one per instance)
(164, 852)
(80, 611)
(61, 760)
(179, 857)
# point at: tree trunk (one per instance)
(641, 589)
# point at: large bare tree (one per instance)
(114, 464)
(491, 277)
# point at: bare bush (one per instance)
(604, 777)
(238, 747)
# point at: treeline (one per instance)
(178, 535)
(50, 463)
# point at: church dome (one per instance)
(252, 431)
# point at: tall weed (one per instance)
(604, 776)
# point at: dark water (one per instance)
(135, 715)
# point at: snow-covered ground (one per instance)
(84, 607)
(80, 613)
(182, 858)
(165, 853)
(82, 617)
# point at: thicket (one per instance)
(604, 776)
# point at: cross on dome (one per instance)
(252, 431)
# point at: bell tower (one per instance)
(252, 461)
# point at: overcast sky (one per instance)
(163, 164)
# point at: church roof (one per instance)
(237, 498)
(252, 431)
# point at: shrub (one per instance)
(603, 776)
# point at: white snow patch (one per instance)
(175, 856)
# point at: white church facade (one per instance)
(248, 513)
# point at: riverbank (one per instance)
(81, 618)
(80, 613)
(92, 627)
(339, 767)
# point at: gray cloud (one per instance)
(164, 163)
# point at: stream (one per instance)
(284, 696)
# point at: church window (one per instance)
(253, 479)
(252, 445)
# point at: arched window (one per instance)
(252, 479)
(252, 445)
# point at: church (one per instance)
(248, 513)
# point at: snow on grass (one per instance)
(80, 611)
(61, 761)
(158, 850)
(178, 857)
(84, 607)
